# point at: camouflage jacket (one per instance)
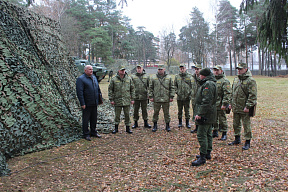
(121, 91)
(244, 92)
(141, 83)
(184, 83)
(205, 101)
(196, 85)
(161, 88)
(223, 91)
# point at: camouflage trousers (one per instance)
(186, 105)
(157, 107)
(204, 136)
(221, 122)
(143, 104)
(237, 117)
(126, 110)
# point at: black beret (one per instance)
(205, 72)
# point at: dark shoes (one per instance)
(236, 141)
(96, 135)
(180, 123)
(187, 124)
(135, 125)
(195, 130)
(200, 161)
(115, 130)
(224, 136)
(247, 145)
(207, 156)
(88, 138)
(215, 133)
(154, 127)
(128, 130)
(146, 124)
(168, 127)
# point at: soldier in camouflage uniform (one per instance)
(121, 93)
(244, 97)
(141, 83)
(223, 102)
(196, 82)
(205, 114)
(184, 89)
(161, 93)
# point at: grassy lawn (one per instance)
(160, 161)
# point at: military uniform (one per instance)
(196, 82)
(205, 107)
(184, 86)
(141, 83)
(223, 99)
(244, 95)
(161, 90)
(121, 91)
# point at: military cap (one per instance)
(182, 65)
(160, 66)
(205, 72)
(199, 66)
(139, 65)
(121, 67)
(241, 66)
(217, 67)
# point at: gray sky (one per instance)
(159, 15)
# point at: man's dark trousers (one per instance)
(89, 114)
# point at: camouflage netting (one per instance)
(39, 108)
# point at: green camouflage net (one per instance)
(38, 104)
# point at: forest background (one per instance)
(98, 31)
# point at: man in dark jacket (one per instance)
(88, 93)
(205, 114)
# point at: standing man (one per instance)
(196, 77)
(121, 94)
(223, 102)
(244, 97)
(89, 94)
(161, 93)
(141, 83)
(183, 85)
(205, 114)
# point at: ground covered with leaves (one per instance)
(161, 161)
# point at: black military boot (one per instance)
(168, 127)
(200, 161)
(115, 130)
(128, 130)
(187, 124)
(96, 134)
(146, 124)
(180, 123)
(135, 125)
(154, 127)
(208, 155)
(236, 141)
(247, 145)
(215, 133)
(224, 136)
(195, 130)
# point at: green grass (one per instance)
(146, 161)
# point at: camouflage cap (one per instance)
(199, 66)
(139, 65)
(217, 67)
(121, 67)
(160, 66)
(182, 65)
(241, 66)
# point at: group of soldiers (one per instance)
(210, 93)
